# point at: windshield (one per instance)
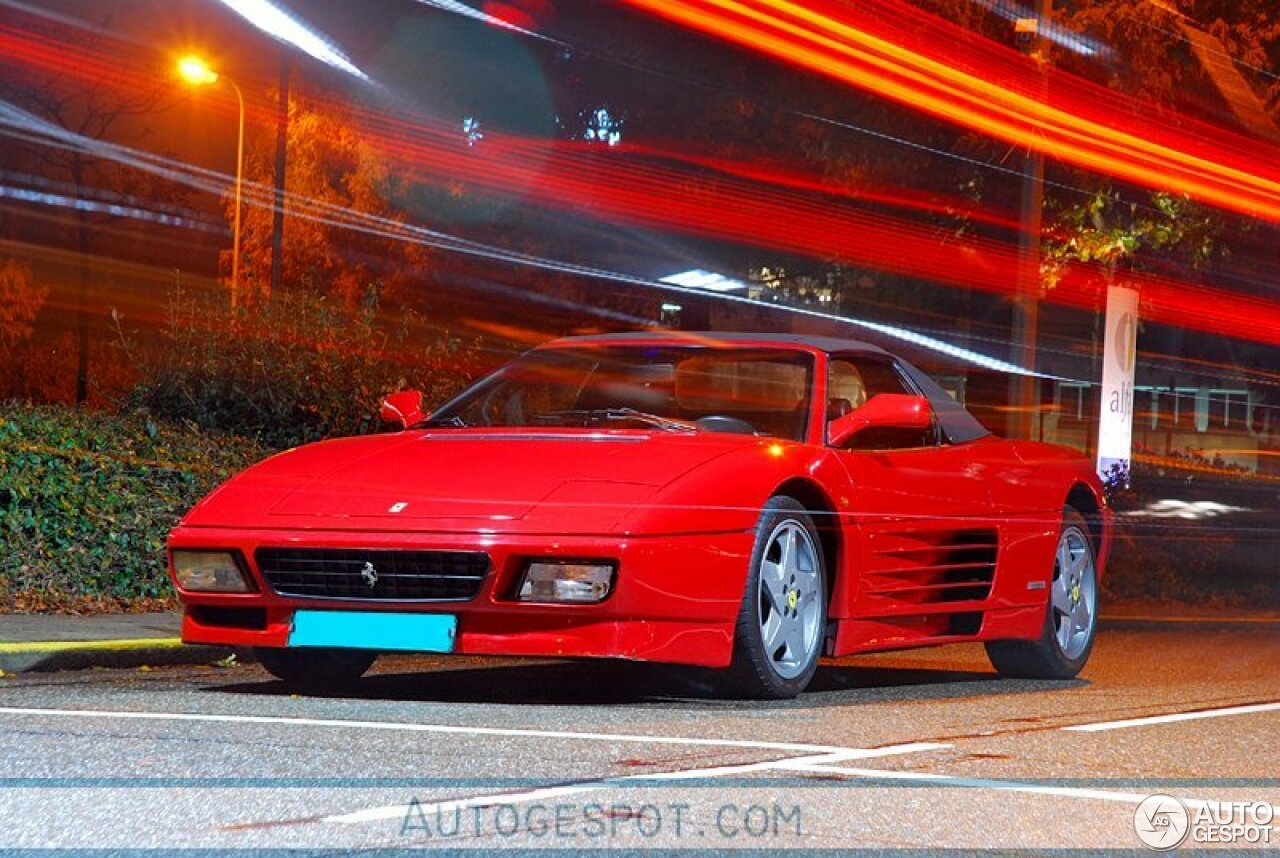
(743, 391)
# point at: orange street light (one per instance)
(196, 72)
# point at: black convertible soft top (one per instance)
(711, 338)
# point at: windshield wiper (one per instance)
(668, 424)
(442, 421)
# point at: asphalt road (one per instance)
(918, 751)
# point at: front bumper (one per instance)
(675, 599)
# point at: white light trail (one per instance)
(25, 125)
(458, 8)
(279, 24)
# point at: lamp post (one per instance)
(1024, 389)
(197, 73)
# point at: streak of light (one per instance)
(1050, 30)
(65, 20)
(839, 41)
(319, 211)
(80, 204)
(35, 182)
(1217, 369)
(710, 281)
(899, 198)
(281, 25)
(719, 91)
(563, 176)
(1176, 463)
(459, 8)
(1245, 451)
(744, 212)
(512, 333)
(642, 194)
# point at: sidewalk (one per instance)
(66, 642)
(30, 642)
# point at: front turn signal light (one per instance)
(560, 581)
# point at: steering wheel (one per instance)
(725, 423)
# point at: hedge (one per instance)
(87, 498)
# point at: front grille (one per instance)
(332, 573)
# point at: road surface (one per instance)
(918, 750)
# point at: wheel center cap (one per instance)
(1075, 593)
(793, 598)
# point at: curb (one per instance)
(1126, 621)
(43, 656)
(30, 656)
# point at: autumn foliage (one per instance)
(332, 169)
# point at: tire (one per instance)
(315, 668)
(780, 629)
(1070, 616)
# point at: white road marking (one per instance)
(1174, 718)
(813, 753)
(400, 811)
(511, 732)
(929, 779)
(825, 751)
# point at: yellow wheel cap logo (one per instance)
(793, 598)
(1075, 593)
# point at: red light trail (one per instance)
(737, 202)
(866, 45)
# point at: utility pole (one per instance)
(1024, 390)
(282, 142)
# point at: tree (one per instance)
(1120, 229)
(1119, 232)
(91, 111)
(20, 301)
(335, 176)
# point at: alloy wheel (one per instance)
(1074, 593)
(790, 603)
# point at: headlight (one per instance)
(561, 581)
(209, 572)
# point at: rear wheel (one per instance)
(782, 619)
(315, 667)
(1071, 615)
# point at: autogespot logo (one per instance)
(1162, 821)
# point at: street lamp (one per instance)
(196, 72)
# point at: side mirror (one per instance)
(403, 409)
(886, 410)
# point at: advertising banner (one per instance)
(1119, 352)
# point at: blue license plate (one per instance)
(374, 630)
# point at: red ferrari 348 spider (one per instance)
(741, 502)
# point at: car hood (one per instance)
(565, 481)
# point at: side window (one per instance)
(854, 379)
(954, 421)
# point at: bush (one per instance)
(87, 499)
(298, 370)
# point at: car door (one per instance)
(920, 503)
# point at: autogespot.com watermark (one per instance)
(1165, 822)
(567, 822)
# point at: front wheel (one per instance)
(782, 619)
(317, 667)
(1071, 615)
